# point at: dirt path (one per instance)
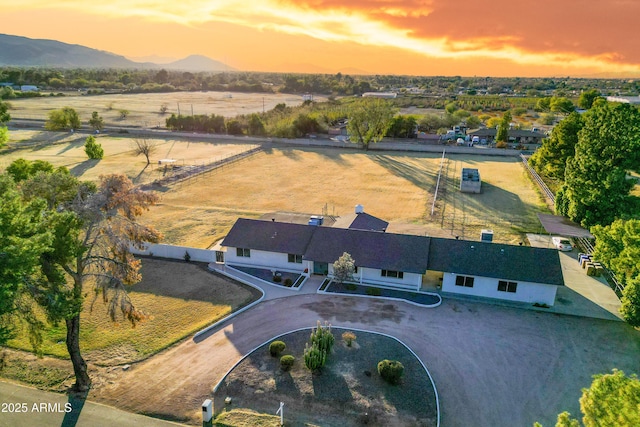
(492, 366)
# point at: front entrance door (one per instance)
(321, 268)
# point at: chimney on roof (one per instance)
(359, 209)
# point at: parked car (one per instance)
(562, 243)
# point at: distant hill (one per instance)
(25, 52)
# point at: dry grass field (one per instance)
(144, 109)
(180, 299)
(397, 187)
(65, 149)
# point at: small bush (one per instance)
(390, 370)
(276, 347)
(93, 149)
(351, 286)
(376, 292)
(288, 282)
(348, 338)
(286, 362)
(187, 257)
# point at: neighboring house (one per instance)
(493, 270)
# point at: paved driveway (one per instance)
(492, 366)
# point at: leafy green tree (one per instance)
(587, 98)
(92, 234)
(4, 112)
(304, 124)
(473, 122)
(618, 247)
(550, 159)
(543, 104)
(21, 169)
(561, 105)
(368, 120)
(92, 148)
(22, 240)
(630, 302)
(4, 136)
(255, 126)
(234, 127)
(96, 121)
(596, 188)
(402, 127)
(502, 134)
(344, 268)
(612, 400)
(63, 119)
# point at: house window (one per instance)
(295, 258)
(504, 286)
(392, 273)
(243, 252)
(466, 281)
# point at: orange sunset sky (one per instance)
(414, 37)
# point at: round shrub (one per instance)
(390, 370)
(288, 282)
(376, 292)
(348, 338)
(286, 362)
(276, 347)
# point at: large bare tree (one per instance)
(145, 147)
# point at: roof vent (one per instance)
(359, 209)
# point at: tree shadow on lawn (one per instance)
(411, 173)
(74, 143)
(79, 169)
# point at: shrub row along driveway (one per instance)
(492, 366)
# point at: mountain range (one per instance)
(25, 52)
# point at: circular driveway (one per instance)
(492, 366)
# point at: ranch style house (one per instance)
(401, 261)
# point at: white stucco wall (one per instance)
(410, 281)
(264, 259)
(176, 252)
(488, 287)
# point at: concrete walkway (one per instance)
(41, 408)
(270, 291)
(581, 295)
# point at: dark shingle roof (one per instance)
(373, 249)
(509, 262)
(364, 221)
(269, 236)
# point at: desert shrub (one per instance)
(276, 347)
(314, 358)
(288, 282)
(501, 144)
(286, 362)
(390, 370)
(348, 338)
(322, 337)
(376, 292)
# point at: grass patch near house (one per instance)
(238, 418)
(397, 187)
(66, 149)
(180, 298)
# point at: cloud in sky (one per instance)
(566, 34)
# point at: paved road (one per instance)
(492, 366)
(46, 409)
